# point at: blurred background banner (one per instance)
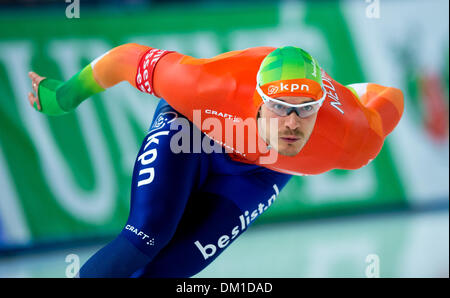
(67, 178)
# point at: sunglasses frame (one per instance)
(268, 98)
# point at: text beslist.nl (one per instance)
(224, 287)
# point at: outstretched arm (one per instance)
(183, 81)
(385, 105)
(55, 97)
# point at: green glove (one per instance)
(58, 98)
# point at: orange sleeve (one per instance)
(387, 105)
(189, 83)
(176, 80)
(119, 64)
(175, 74)
(383, 105)
(185, 82)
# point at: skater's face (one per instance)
(292, 132)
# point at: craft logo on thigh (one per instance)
(141, 234)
